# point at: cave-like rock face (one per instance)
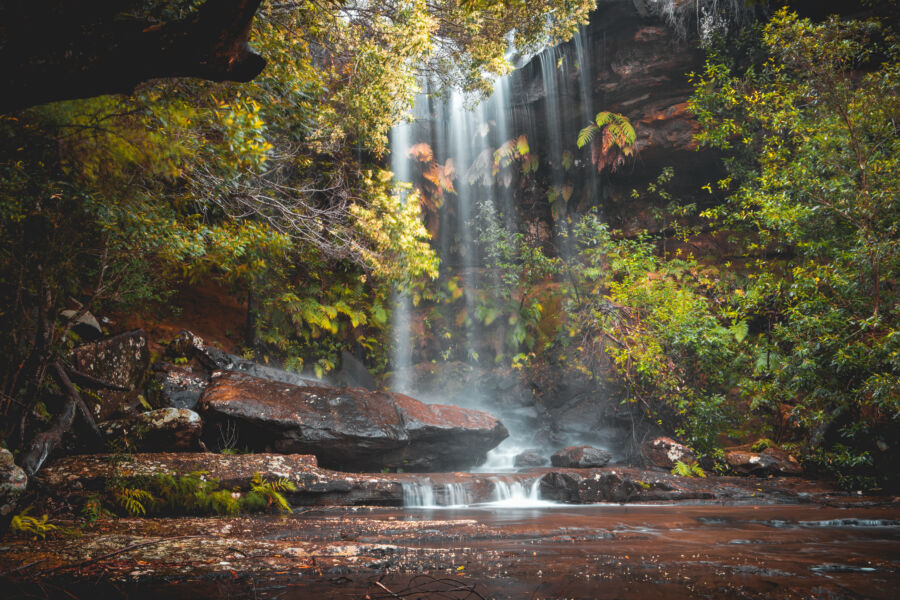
(626, 63)
(346, 428)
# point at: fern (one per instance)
(586, 135)
(134, 500)
(272, 491)
(23, 523)
(617, 141)
(688, 469)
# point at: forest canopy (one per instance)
(111, 203)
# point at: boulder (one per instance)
(580, 457)
(176, 387)
(771, 461)
(85, 325)
(664, 452)
(530, 458)
(164, 429)
(349, 428)
(189, 346)
(13, 482)
(121, 360)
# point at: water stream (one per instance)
(524, 112)
(504, 491)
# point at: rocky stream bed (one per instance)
(611, 533)
(704, 550)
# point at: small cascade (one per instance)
(455, 494)
(425, 494)
(517, 494)
(418, 494)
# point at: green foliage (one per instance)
(656, 319)
(271, 491)
(617, 137)
(519, 267)
(814, 175)
(133, 501)
(690, 469)
(192, 494)
(763, 444)
(26, 524)
(92, 508)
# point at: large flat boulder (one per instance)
(315, 486)
(348, 428)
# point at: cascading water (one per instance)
(516, 494)
(505, 492)
(418, 493)
(425, 494)
(465, 145)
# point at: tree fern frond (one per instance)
(586, 134)
(604, 118)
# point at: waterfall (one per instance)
(424, 494)
(401, 325)
(418, 493)
(516, 493)
(507, 492)
(467, 185)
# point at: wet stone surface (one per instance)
(599, 551)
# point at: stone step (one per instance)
(323, 487)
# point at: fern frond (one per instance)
(134, 500)
(23, 523)
(522, 145)
(586, 134)
(604, 118)
(681, 469)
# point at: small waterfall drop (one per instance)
(517, 494)
(425, 494)
(418, 494)
(506, 492)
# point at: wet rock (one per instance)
(85, 325)
(315, 486)
(189, 346)
(12, 485)
(164, 429)
(664, 452)
(581, 457)
(350, 428)
(353, 373)
(270, 373)
(530, 458)
(616, 484)
(771, 461)
(176, 387)
(122, 360)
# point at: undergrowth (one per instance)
(25, 523)
(191, 494)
